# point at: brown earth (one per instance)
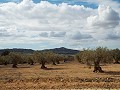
(70, 75)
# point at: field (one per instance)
(69, 75)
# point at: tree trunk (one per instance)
(32, 63)
(14, 66)
(14, 63)
(65, 60)
(43, 65)
(53, 62)
(58, 62)
(97, 67)
(116, 62)
(5, 63)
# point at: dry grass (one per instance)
(70, 75)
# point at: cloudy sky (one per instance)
(76, 24)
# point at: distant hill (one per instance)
(17, 50)
(60, 50)
(63, 50)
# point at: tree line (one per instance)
(95, 57)
(42, 57)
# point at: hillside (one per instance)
(61, 50)
(17, 50)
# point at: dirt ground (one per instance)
(70, 75)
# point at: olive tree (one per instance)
(15, 58)
(51, 57)
(41, 58)
(30, 59)
(96, 57)
(101, 54)
(4, 60)
(86, 57)
(116, 56)
(4, 57)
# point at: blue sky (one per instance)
(75, 24)
(70, 2)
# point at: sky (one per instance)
(45, 24)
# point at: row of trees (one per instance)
(37, 57)
(100, 54)
(88, 56)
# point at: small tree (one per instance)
(116, 56)
(87, 57)
(51, 57)
(41, 58)
(58, 59)
(65, 58)
(96, 56)
(4, 60)
(100, 55)
(30, 59)
(5, 57)
(15, 57)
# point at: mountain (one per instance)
(61, 50)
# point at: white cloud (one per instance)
(71, 25)
(106, 18)
(104, 23)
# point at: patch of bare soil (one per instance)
(62, 76)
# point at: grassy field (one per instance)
(70, 75)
